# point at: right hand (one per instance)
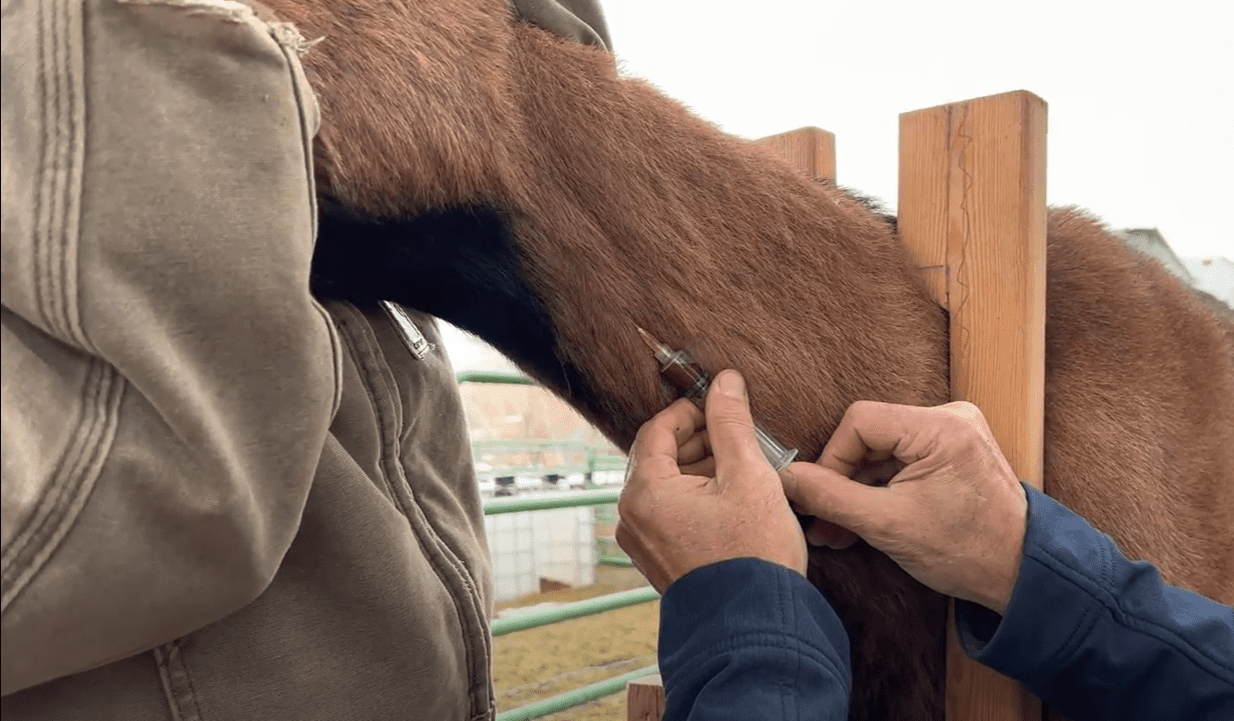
(681, 510)
(953, 517)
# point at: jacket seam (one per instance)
(477, 658)
(71, 482)
(479, 690)
(306, 146)
(773, 640)
(336, 356)
(45, 148)
(57, 200)
(346, 327)
(393, 313)
(177, 683)
(1128, 620)
(373, 368)
(784, 683)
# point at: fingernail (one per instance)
(731, 383)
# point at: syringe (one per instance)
(693, 382)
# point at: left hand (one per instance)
(681, 510)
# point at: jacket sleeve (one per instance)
(168, 381)
(1097, 636)
(746, 639)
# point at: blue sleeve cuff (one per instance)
(750, 639)
(1098, 636)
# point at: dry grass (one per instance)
(541, 662)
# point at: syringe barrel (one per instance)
(776, 454)
(688, 376)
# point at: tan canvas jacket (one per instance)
(221, 500)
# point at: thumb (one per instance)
(731, 429)
(825, 494)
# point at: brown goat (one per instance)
(485, 171)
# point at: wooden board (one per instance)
(972, 209)
(645, 699)
(811, 150)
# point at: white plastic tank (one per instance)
(511, 545)
(557, 544)
(566, 545)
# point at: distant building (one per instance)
(1151, 242)
(1213, 275)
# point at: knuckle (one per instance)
(625, 506)
(964, 416)
(632, 506)
(963, 410)
(862, 409)
(622, 535)
(639, 439)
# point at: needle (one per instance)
(656, 346)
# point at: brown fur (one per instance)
(627, 209)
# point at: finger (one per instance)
(874, 431)
(825, 494)
(695, 449)
(705, 468)
(654, 452)
(731, 430)
(685, 419)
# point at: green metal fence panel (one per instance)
(530, 445)
(577, 697)
(578, 609)
(538, 457)
(532, 503)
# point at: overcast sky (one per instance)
(1141, 95)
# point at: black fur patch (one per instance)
(459, 264)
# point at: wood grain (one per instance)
(972, 209)
(811, 150)
(645, 699)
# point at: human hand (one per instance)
(953, 517)
(681, 509)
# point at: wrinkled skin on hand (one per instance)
(681, 510)
(953, 517)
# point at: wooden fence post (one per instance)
(972, 209)
(810, 150)
(645, 699)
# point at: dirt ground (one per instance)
(541, 662)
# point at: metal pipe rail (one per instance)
(577, 697)
(516, 379)
(578, 609)
(582, 498)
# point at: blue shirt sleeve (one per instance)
(1097, 636)
(746, 639)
